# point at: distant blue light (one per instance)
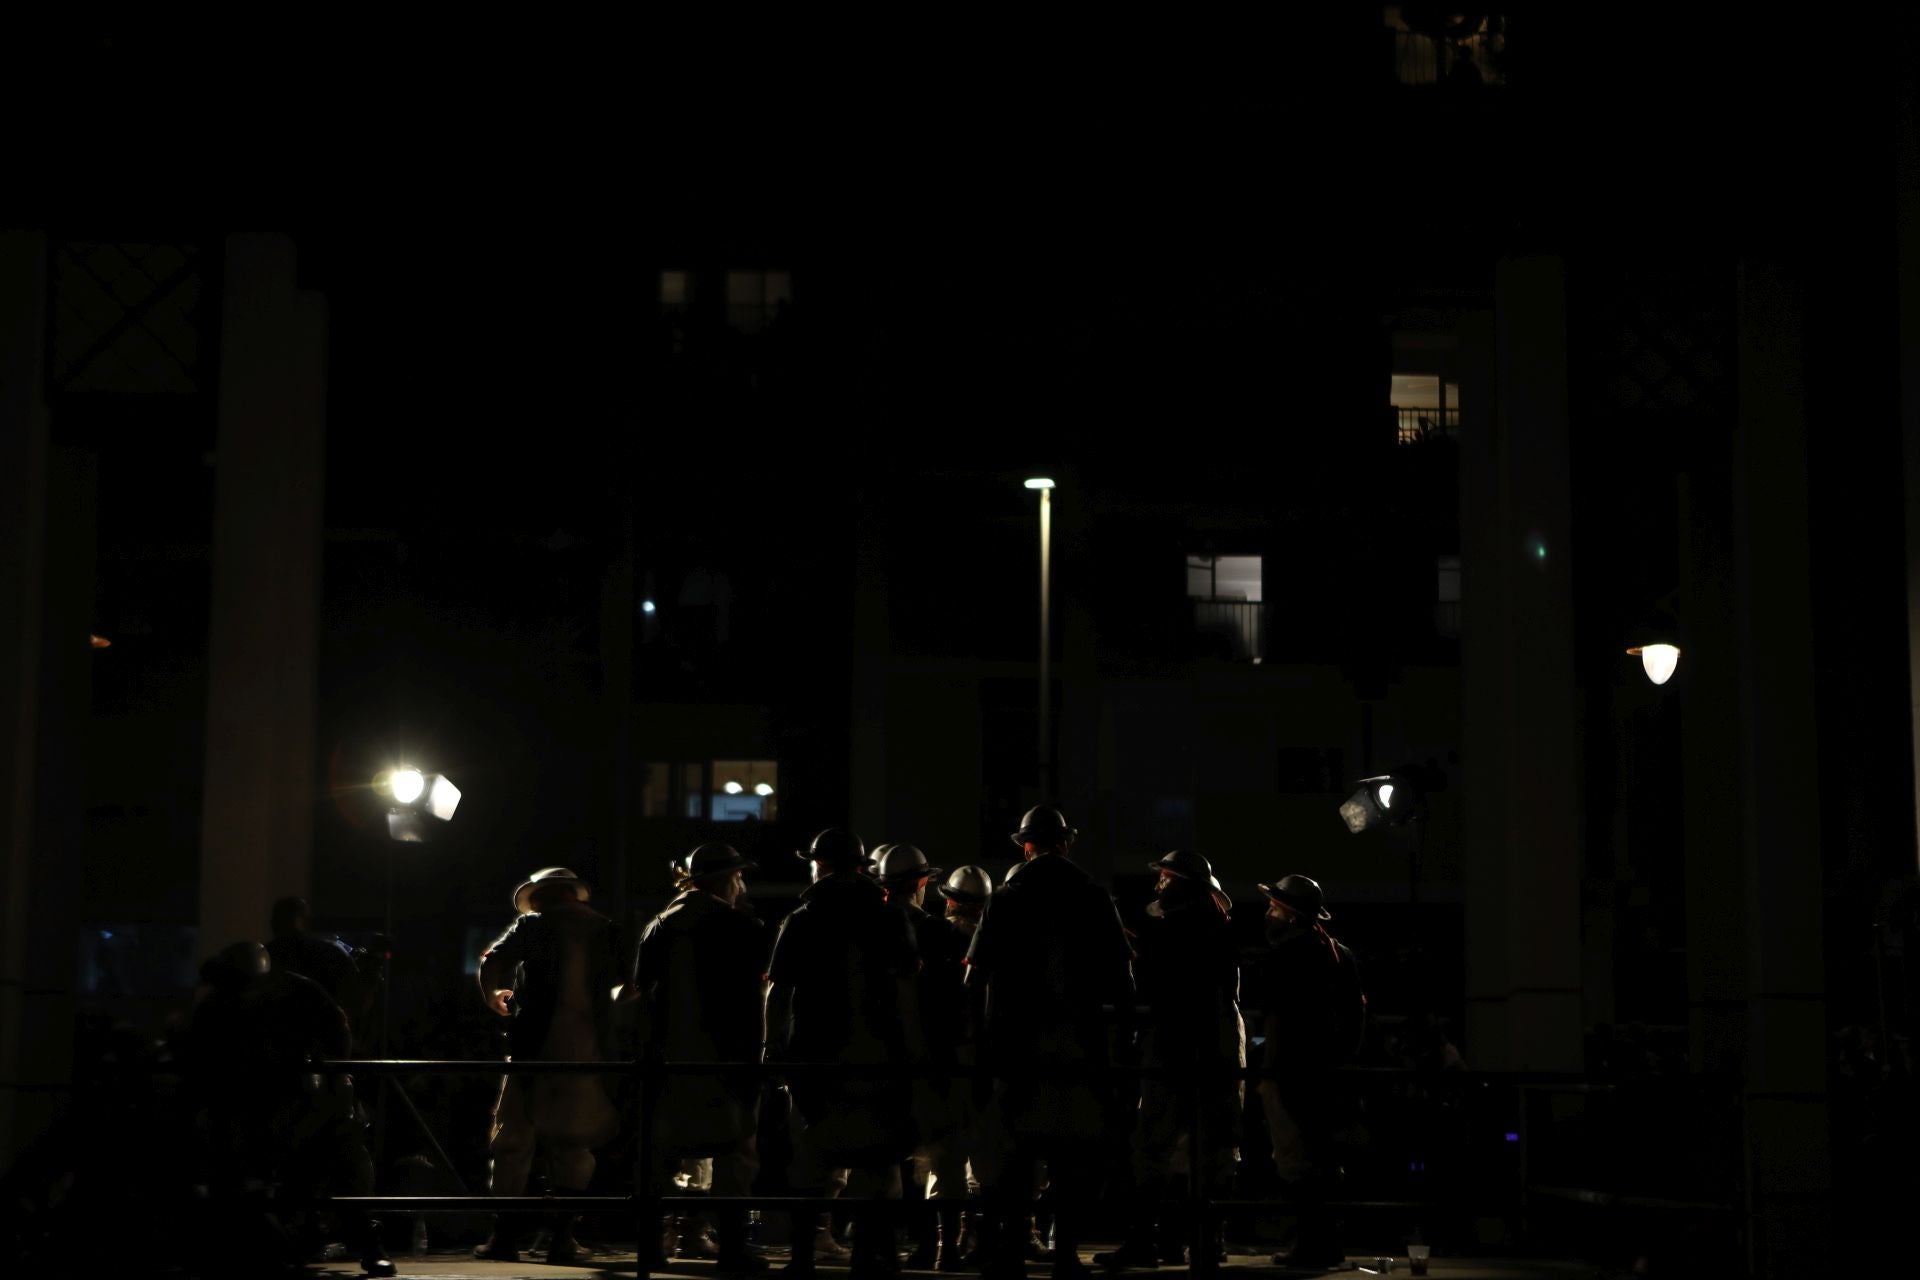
(107, 934)
(646, 606)
(1513, 1137)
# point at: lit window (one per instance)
(1426, 406)
(1226, 594)
(674, 287)
(745, 790)
(1446, 609)
(754, 298)
(1235, 578)
(656, 790)
(1434, 46)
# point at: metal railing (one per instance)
(1205, 1211)
(1417, 425)
(1240, 626)
(1422, 60)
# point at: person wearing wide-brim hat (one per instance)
(904, 872)
(1314, 1015)
(841, 985)
(523, 978)
(1188, 974)
(1189, 867)
(1299, 894)
(1049, 958)
(698, 968)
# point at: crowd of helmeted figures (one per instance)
(907, 1023)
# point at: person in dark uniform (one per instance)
(553, 972)
(842, 992)
(949, 1172)
(268, 1122)
(1314, 1018)
(296, 948)
(1050, 957)
(700, 969)
(904, 873)
(1189, 979)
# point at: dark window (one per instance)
(1310, 770)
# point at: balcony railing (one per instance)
(1239, 627)
(1416, 425)
(1471, 60)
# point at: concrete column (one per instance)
(257, 814)
(1907, 251)
(23, 495)
(1776, 759)
(872, 674)
(1523, 827)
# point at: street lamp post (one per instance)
(1045, 486)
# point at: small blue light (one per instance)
(107, 934)
(646, 607)
(1513, 1137)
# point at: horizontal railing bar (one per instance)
(590, 1203)
(1567, 1081)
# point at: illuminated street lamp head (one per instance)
(732, 787)
(1039, 482)
(763, 789)
(407, 785)
(1657, 660)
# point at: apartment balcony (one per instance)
(1234, 630)
(1419, 425)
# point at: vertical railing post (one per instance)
(648, 1235)
(1200, 1259)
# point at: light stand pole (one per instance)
(1045, 487)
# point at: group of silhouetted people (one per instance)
(975, 1044)
(970, 1049)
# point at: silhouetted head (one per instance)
(834, 851)
(549, 887)
(291, 915)
(235, 966)
(1044, 830)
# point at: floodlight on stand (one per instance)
(1365, 809)
(414, 797)
(732, 787)
(1039, 482)
(1385, 800)
(443, 797)
(763, 789)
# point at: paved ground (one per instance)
(449, 1266)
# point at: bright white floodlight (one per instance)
(407, 784)
(1039, 482)
(443, 798)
